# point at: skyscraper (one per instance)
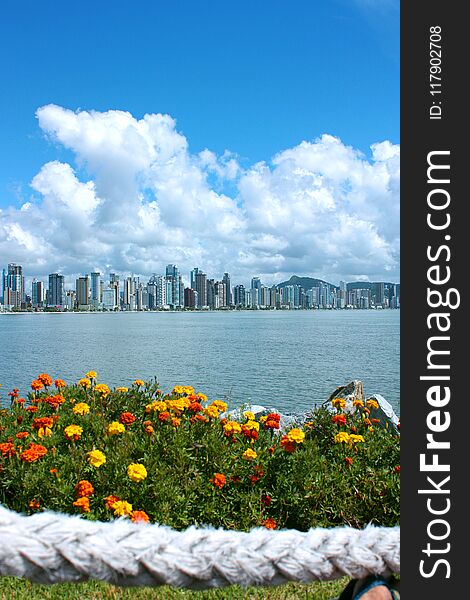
(55, 294)
(95, 290)
(228, 291)
(255, 291)
(201, 289)
(37, 293)
(13, 286)
(82, 292)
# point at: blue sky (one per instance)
(255, 78)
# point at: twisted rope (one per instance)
(52, 547)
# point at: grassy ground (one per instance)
(16, 589)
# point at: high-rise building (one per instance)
(37, 293)
(95, 290)
(82, 292)
(219, 294)
(201, 289)
(239, 295)
(228, 290)
(210, 294)
(190, 298)
(192, 277)
(175, 299)
(255, 291)
(56, 294)
(13, 286)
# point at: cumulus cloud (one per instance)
(136, 199)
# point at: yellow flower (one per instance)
(175, 422)
(358, 403)
(251, 425)
(115, 428)
(136, 472)
(263, 419)
(342, 437)
(202, 397)
(86, 383)
(123, 390)
(179, 404)
(296, 435)
(178, 389)
(211, 411)
(220, 405)
(73, 432)
(356, 438)
(44, 432)
(338, 403)
(96, 458)
(372, 403)
(249, 454)
(155, 405)
(102, 389)
(81, 408)
(232, 427)
(139, 383)
(91, 374)
(188, 389)
(249, 416)
(122, 508)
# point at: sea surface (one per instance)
(288, 360)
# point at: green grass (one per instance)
(12, 589)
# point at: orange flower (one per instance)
(84, 488)
(175, 422)
(287, 445)
(348, 460)
(36, 385)
(127, 418)
(21, 435)
(339, 419)
(55, 401)
(45, 379)
(83, 503)
(149, 429)
(32, 409)
(139, 516)
(54, 472)
(34, 504)
(195, 407)
(219, 480)
(272, 421)
(33, 453)
(7, 449)
(41, 422)
(270, 524)
(198, 418)
(396, 469)
(110, 501)
(164, 416)
(60, 383)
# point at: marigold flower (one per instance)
(84, 383)
(157, 406)
(339, 419)
(136, 472)
(54, 401)
(84, 488)
(201, 397)
(396, 469)
(179, 404)
(54, 472)
(83, 503)
(33, 453)
(270, 523)
(122, 508)
(178, 389)
(296, 435)
(81, 408)
(220, 405)
(139, 516)
(199, 419)
(219, 480)
(32, 409)
(73, 432)
(96, 458)
(149, 429)
(211, 411)
(36, 385)
(139, 383)
(288, 445)
(232, 427)
(21, 435)
(45, 379)
(195, 407)
(127, 418)
(263, 419)
(367, 422)
(115, 428)
(122, 390)
(34, 504)
(372, 403)
(375, 421)
(348, 460)
(175, 422)
(41, 422)
(251, 425)
(249, 433)
(7, 449)
(338, 403)
(249, 454)
(60, 383)
(91, 375)
(356, 438)
(358, 403)
(110, 501)
(103, 389)
(342, 437)
(44, 432)
(164, 416)
(249, 416)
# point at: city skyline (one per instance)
(169, 291)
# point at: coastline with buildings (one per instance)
(168, 292)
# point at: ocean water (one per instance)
(288, 360)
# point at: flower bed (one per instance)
(171, 459)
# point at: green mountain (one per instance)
(305, 282)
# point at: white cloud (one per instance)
(137, 199)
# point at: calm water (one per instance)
(283, 359)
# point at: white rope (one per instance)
(52, 547)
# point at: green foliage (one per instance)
(291, 483)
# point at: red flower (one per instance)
(339, 419)
(397, 469)
(164, 416)
(45, 379)
(287, 444)
(36, 385)
(348, 460)
(266, 499)
(219, 480)
(7, 449)
(139, 516)
(21, 435)
(110, 501)
(195, 407)
(55, 401)
(250, 434)
(84, 488)
(127, 418)
(33, 453)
